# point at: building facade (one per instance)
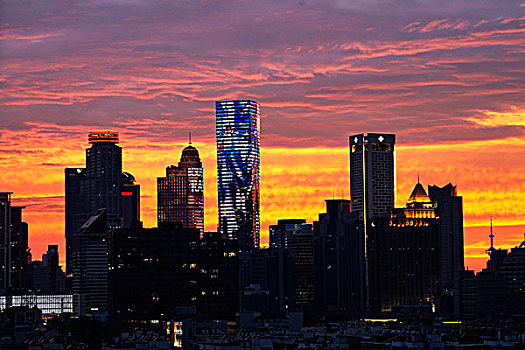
(180, 194)
(101, 184)
(159, 266)
(280, 233)
(238, 161)
(372, 174)
(339, 264)
(14, 250)
(403, 255)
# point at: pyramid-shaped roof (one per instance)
(419, 195)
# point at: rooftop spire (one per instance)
(189, 138)
(491, 249)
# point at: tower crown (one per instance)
(103, 137)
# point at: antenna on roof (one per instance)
(190, 137)
(417, 177)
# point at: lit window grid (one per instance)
(49, 304)
(238, 160)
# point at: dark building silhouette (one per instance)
(238, 176)
(403, 255)
(101, 184)
(372, 174)
(339, 265)
(46, 276)
(449, 209)
(219, 277)
(267, 281)
(14, 250)
(180, 195)
(280, 233)
(153, 271)
(301, 243)
(130, 200)
(19, 251)
(90, 264)
(76, 208)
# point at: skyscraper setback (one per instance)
(372, 169)
(180, 195)
(238, 160)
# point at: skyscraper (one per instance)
(339, 265)
(103, 175)
(101, 184)
(238, 160)
(5, 237)
(403, 255)
(449, 209)
(180, 195)
(372, 171)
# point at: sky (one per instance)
(447, 77)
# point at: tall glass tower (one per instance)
(238, 161)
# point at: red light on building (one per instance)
(107, 137)
(127, 193)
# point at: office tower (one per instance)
(180, 195)
(77, 207)
(153, 272)
(403, 255)
(90, 264)
(101, 184)
(449, 209)
(280, 233)
(301, 243)
(46, 276)
(19, 250)
(103, 175)
(267, 281)
(5, 237)
(219, 280)
(130, 200)
(238, 142)
(339, 265)
(372, 171)
(13, 246)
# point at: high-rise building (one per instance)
(238, 160)
(372, 174)
(77, 207)
(219, 280)
(160, 266)
(403, 255)
(339, 264)
(14, 251)
(101, 184)
(180, 195)
(5, 237)
(280, 233)
(301, 243)
(449, 209)
(103, 175)
(130, 200)
(90, 264)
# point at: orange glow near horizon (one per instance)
(294, 181)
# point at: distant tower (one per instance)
(238, 160)
(130, 200)
(372, 169)
(491, 249)
(180, 195)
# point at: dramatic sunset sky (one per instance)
(447, 77)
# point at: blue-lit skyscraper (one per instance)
(238, 141)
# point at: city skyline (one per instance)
(447, 80)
